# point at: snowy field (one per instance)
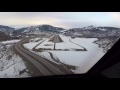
(10, 41)
(63, 45)
(12, 68)
(47, 56)
(32, 43)
(46, 44)
(66, 44)
(83, 60)
(11, 64)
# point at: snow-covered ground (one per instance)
(11, 64)
(83, 60)
(66, 44)
(32, 43)
(12, 68)
(47, 56)
(106, 43)
(63, 45)
(90, 57)
(46, 44)
(10, 41)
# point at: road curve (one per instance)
(43, 66)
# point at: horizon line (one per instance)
(13, 26)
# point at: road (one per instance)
(42, 65)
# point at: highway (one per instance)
(42, 65)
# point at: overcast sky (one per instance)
(61, 19)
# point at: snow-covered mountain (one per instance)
(6, 29)
(19, 26)
(4, 36)
(91, 31)
(38, 28)
(99, 28)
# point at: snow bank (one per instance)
(31, 45)
(46, 44)
(81, 59)
(66, 44)
(10, 41)
(11, 65)
(47, 56)
(63, 45)
(16, 65)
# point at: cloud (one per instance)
(115, 15)
(62, 19)
(115, 18)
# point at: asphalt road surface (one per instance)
(57, 39)
(42, 65)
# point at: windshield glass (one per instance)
(54, 43)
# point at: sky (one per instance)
(61, 19)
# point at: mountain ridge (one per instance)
(6, 29)
(4, 36)
(89, 31)
(40, 28)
